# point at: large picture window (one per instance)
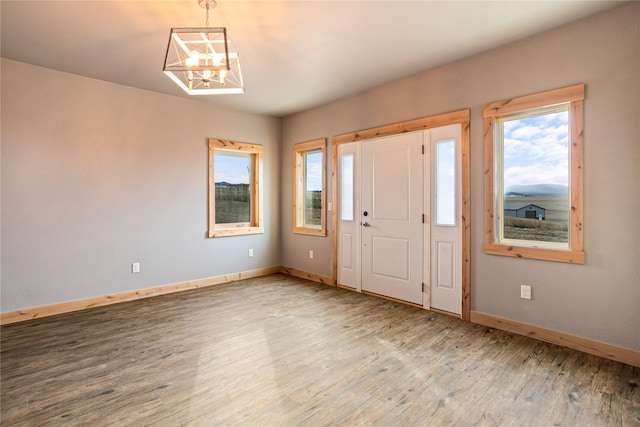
(533, 184)
(309, 188)
(235, 188)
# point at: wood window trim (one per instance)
(574, 96)
(256, 224)
(298, 151)
(463, 118)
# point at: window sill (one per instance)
(310, 231)
(225, 232)
(573, 257)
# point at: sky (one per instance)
(234, 170)
(314, 171)
(536, 150)
(231, 169)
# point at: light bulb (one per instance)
(223, 77)
(195, 58)
(206, 78)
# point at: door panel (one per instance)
(446, 228)
(391, 216)
(445, 265)
(390, 257)
(391, 186)
(348, 205)
(347, 251)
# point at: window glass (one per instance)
(535, 176)
(233, 188)
(313, 189)
(346, 190)
(446, 182)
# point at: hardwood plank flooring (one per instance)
(283, 351)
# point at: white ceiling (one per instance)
(294, 54)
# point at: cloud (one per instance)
(536, 173)
(536, 150)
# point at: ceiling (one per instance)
(294, 54)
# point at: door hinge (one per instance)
(423, 218)
(422, 287)
(423, 149)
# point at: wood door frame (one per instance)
(456, 117)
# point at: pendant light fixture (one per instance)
(203, 61)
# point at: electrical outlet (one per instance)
(250, 253)
(310, 254)
(135, 267)
(525, 292)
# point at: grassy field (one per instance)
(233, 204)
(231, 211)
(314, 208)
(553, 229)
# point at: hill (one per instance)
(536, 190)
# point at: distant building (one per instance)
(519, 210)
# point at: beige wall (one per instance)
(96, 176)
(599, 300)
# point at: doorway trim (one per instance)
(455, 117)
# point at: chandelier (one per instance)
(203, 61)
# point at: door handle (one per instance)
(366, 224)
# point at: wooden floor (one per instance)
(281, 351)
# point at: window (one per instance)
(235, 188)
(309, 214)
(445, 182)
(533, 176)
(347, 196)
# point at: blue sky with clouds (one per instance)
(536, 150)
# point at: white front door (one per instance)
(391, 216)
(389, 251)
